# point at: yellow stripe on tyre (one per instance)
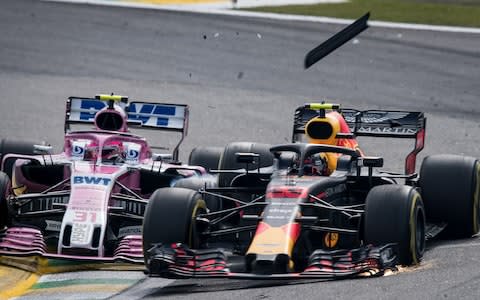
(199, 205)
(413, 229)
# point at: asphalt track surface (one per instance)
(243, 78)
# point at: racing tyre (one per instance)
(170, 217)
(228, 161)
(450, 186)
(207, 157)
(395, 214)
(198, 183)
(15, 147)
(4, 191)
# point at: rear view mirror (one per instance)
(370, 162)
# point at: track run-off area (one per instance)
(243, 78)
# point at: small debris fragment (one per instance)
(259, 36)
(204, 36)
(216, 34)
(239, 75)
(355, 41)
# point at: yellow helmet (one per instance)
(322, 130)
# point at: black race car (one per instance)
(320, 209)
(315, 208)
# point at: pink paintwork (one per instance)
(90, 198)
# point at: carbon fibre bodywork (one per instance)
(284, 223)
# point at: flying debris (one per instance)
(336, 41)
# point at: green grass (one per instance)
(446, 12)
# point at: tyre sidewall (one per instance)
(170, 217)
(228, 160)
(391, 216)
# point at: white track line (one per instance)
(213, 9)
(455, 246)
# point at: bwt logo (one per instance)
(147, 113)
(93, 105)
(144, 111)
(91, 180)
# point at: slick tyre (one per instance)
(228, 161)
(395, 214)
(15, 147)
(450, 187)
(4, 192)
(170, 217)
(207, 157)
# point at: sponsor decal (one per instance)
(85, 208)
(80, 233)
(331, 239)
(132, 154)
(387, 130)
(93, 106)
(288, 202)
(78, 150)
(375, 117)
(53, 225)
(150, 114)
(280, 211)
(335, 190)
(91, 180)
(129, 230)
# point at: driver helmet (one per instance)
(315, 164)
(113, 151)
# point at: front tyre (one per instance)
(170, 217)
(395, 214)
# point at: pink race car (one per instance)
(88, 202)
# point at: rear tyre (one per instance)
(4, 192)
(450, 187)
(395, 214)
(170, 218)
(198, 183)
(15, 147)
(228, 161)
(207, 157)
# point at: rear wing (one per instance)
(146, 115)
(373, 123)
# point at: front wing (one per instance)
(178, 261)
(24, 241)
